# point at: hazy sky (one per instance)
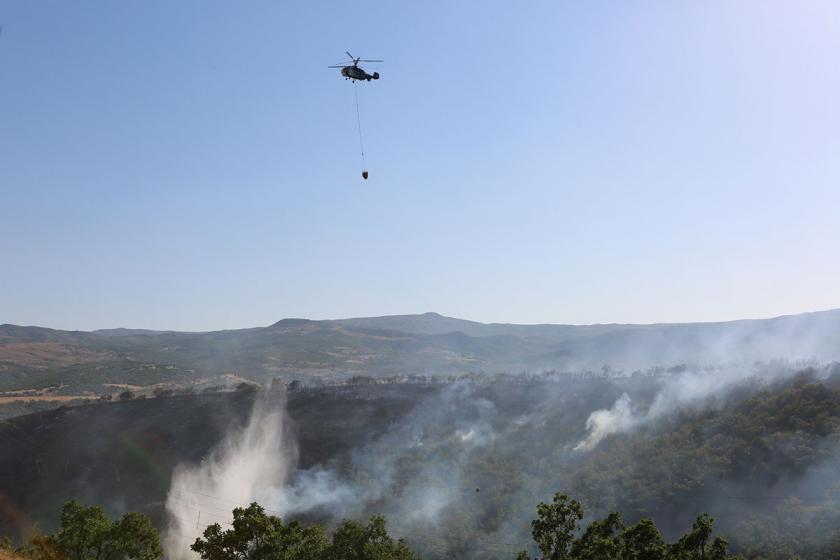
(195, 165)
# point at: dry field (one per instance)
(43, 355)
(47, 398)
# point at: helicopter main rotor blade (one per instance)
(350, 55)
(365, 60)
(338, 66)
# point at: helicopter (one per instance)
(351, 71)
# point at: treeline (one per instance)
(87, 533)
(745, 456)
(762, 457)
(557, 535)
(770, 460)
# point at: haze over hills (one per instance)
(463, 463)
(428, 344)
(442, 459)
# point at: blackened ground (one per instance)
(121, 455)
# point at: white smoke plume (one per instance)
(258, 462)
(686, 389)
(246, 465)
(437, 439)
(435, 463)
(602, 423)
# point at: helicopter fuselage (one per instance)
(356, 73)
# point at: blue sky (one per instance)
(195, 165)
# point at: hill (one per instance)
(78, 363)
(122, 454)
(464, 464)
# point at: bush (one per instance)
(161, 392)
(248, 387)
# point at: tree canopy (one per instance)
(556, 532)
(255, 535)
(87, 533)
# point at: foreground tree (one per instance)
(557, 525)
(644, 541)
(355, 541)
(257, 536)
(254, 535)
(602, 540)
(698, 544)
(88, 534)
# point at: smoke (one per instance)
(686, 389)
(248, 462)
(602, 423)
(405, 473)
(310, 490)
(464, 459)
(408, 473)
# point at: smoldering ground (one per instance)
(461, 475)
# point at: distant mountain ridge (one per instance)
(425, 344)
(127, 332)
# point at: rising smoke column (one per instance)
(602, 423)
(687, 389)
(258, 462)
(242, 468)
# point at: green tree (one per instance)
(257, 536)
(355, 541)
(558, 523)
(697, 544)
(601, 540)
(644, 541)
(555, 527)
(720, 549)
(88, 534)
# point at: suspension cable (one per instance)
(359, 121)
